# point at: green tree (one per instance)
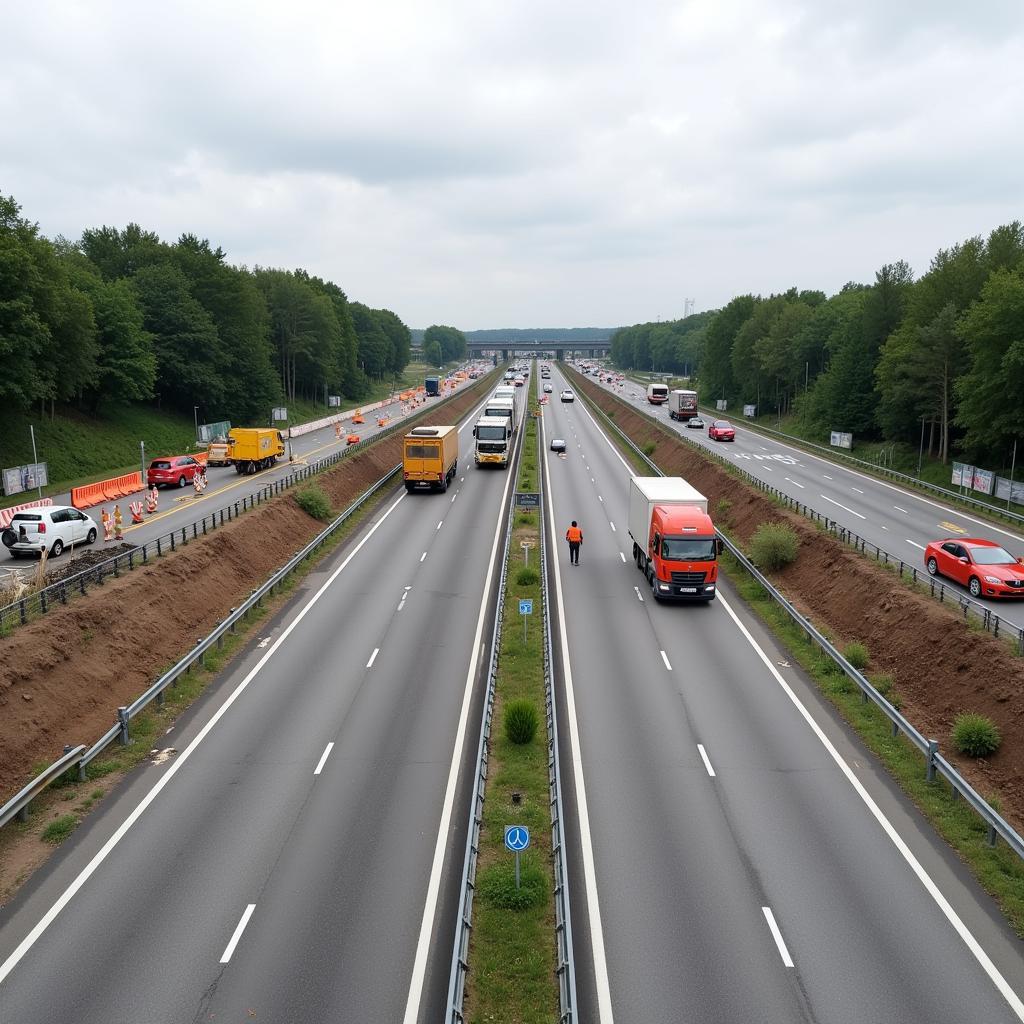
(717, 378)
(451, 342)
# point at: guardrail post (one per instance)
(21, 609)
(184, 539)
(42, 600)
(232, 626)
(124, 736)
(172, 541)
(992, 835)
(236, 509)
(933, 749)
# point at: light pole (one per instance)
(195, 416)
(920, 450)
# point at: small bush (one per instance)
(520, 721)
(497, 885)
(883, 684)
(58, 830)
(722, 509)
(524, 519)
(648, 448)
(527, 577)
(857, 655)
(774, 545)
(312, 500)
(975, 735)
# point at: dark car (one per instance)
(173, 471)
(557, 444)
(985, 568)
(721, 430)
(695, 422)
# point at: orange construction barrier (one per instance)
(352, 439)
(106, 490)
(382, 421)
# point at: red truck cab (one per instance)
(682, 554)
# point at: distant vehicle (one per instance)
(548, 389)
(518, 381)
(567, 395)
(674, 540)
(696, 422)
(493, 441)
(558, 444)
(255, 448)
(682, 404)
(174, 471)
(721, 430)
(985, 568)
(509, 375)
(430, 458)
(432, 386)
(657, 394)
(218, 452)
(51, 528)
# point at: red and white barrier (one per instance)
(7, 514)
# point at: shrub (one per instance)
(497, 885)
(975, 735)
(520, 721)
(59, 829)
(527, 577)
(524, 519)
(722, 509)
(883, 684)
(857, 655)
(312, 500)
(648, 448)
(774, 545)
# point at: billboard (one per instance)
(841, 440)
(25, 478)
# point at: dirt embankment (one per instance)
(939, 665)
(63, 676)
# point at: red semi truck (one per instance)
(674, 541)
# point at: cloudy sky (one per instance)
(518, 164)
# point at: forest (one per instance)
(940, 356)
(120, 316)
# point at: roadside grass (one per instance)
(512, 956)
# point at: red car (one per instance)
(721, 430)
(982, 566)
(174, 471)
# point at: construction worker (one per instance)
(574, 535)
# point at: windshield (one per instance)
(490, 433)
(692, 549)
(992, 556)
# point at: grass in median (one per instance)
(512, 953)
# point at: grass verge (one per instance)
(512, 951)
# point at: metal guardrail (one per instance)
(18, 612)
(80, 757)
(935, 763)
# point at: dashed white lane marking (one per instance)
(238, 933)
(797, 482)
(664, 658)
(826, 476)
(373, 657)
(440, 522)
(767, 469)
(424, 555)
(638, 594)
(323, 758)
(844, 507)
(777, 935)
(903, 510)
(612, 525)
(454, 496)
(857, 489)
(916, 545)
(762, 447)
(706, 759)
(599, 498)
(622, 556)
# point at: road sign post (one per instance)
(525, 609)
(517, 839)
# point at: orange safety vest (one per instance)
(574, 535)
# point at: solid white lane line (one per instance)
(323, 758)
(419, 967)
(1015, 1002)
(238, 933)
(706, 759)
(622, 556)
(903, 510)
(373, 657)
(844, 507)
(612, 525)
(664, 658)
(916, 545)
(424, 555)
(797, 482)
(777, 935)
(101, 855)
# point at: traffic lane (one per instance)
(189, 810)
(648, 786)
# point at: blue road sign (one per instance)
(526, 606)
(517, 837)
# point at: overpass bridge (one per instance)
(539, 347)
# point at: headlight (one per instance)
(993, 579)
(665, 586)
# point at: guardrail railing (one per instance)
(935, 764)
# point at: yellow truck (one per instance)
(430, 458)
(255, 448)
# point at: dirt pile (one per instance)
(940, 666)
(63, 676)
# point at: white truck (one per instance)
(657, 394)
(503, 406)
(674, 541)
(493, 441)
(682, 404)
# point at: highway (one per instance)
(897, 520)
(294, 859)
(736, 854)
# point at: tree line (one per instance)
(120, 316)
(942, 354)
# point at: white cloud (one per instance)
(495, 164)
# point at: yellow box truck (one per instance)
(255, 448)
(430, 458)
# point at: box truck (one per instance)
(657, 394)
(682, 404)
(674, 541)
(493, 441)
(432, 386)
(254, 448)
(430, 458)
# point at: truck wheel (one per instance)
(444, 485)
(654, 587)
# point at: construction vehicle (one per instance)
(430, 458)
(674, 540)
(255, 448)
(218, 451)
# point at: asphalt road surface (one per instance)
(737, 856)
